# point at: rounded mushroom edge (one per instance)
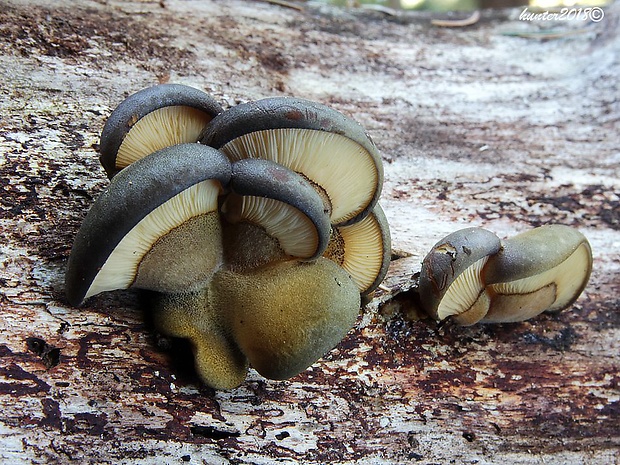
(331, 150)
(541, 270)
(471, 276)
(272, 213)
(156, 226)
(451, 283)
(152, 119)
(363, 249)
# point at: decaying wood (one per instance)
(476, 126)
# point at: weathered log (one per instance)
(477, 126)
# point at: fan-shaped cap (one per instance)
(318, 142)
(278, 202)
(543, 269)
(155, 227)
(451, 278)
(363, 249)
(151, 119)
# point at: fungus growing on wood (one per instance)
(232, 249)
(277, 211)
(151, 119)
(451, 278)
(471, 276)
(363, 249)
(541, 270)
(287, 315)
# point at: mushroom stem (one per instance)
(218, 361)
(287, 315)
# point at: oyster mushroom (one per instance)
(363, 249)
(231, 244)
(452, 279)
(332, 151)
(151, 119)
(272, 213)
(471, 276)
(155, 227)
(544, 269)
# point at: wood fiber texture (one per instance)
(490, 125)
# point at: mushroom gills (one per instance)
(292, 232)
(466, 299)
(161, 128)
(451, 280)
(363, 249)
(271, 213)
(551, 290)
(175, 247)
(153, 118)
(341, 170)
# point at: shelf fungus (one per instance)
(472, 276)
(332, 151)
(152, 119)
(258, 260)
(155, 227)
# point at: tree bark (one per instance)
(504, 124)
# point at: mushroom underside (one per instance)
(159, 129)
(342, 170)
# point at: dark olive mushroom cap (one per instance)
(451, 282)
(286, 113)
(363, 249)
(269, 180)
(131, 196)
(287, 315)
(142, 103)
(543, 269)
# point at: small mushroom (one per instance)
(332, 151)
(272, 213)
(151, 119)
(363, 249)
(287, 315)
(451, 278)
(155, 227)
(544, 269)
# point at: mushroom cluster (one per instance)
(256, 230)
(471, 275)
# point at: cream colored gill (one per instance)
(363, 251)
(161, 128)
(568, 278)
(296, 234)
(119, 270)
(342, 167)
(464, 292)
